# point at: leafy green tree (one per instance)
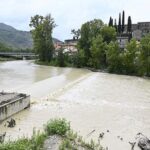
(108, 34)
(76, 33)
(78, 59)
(114, 58)
(61, 58)
(145, 56)
(98, 59)
(89, 30)
(4, 47)
(130, 58)
(42, 28)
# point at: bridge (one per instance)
(19, 54)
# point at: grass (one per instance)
(57, 127)
(60, 127)
(74, 142)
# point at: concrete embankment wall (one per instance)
(13, 107)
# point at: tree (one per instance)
(60, 58)
(129, 28)
(4, 47)
(114, 58)
(89, 30)
(119, 24)
(110, 22)
(123, 21)
(145, 56)
(115, 26)
(130, 58)
(108, 34)
(98, 59)
(42, 28)
(76, 34)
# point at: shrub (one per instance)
(57, 126)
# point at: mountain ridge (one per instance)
(15, 38)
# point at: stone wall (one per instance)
(14, 107)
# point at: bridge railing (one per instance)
(27, 54)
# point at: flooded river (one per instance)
(90, 101)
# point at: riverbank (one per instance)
(54, 64)
(57, 135)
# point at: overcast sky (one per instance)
(69, 14)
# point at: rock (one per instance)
(2, 137)
(118, 137)
(108, 131)
(132, 145)
(11, 123)
(101, 135)
(144, 142)
(52, 143)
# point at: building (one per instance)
(122, 41)
(57, 44)
(69, 46)
(138, 31)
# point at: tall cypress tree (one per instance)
(123, 21)
(110, 22)
(119, 23)
(115, 25)
(129, 28)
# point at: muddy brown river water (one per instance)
(90, 101)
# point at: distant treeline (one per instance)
(6, 48)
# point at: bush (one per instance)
(35, 143)
(57, 126)
(21, 144)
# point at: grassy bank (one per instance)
(54, 63)
(59, 127)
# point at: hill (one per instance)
(16, 38)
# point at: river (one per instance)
(90, 101)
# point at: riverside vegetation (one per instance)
(58, 127)
(97, 48)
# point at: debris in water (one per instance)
(144, 142)
(90, 133)
(2, 137)
(108, 131)
(101, 135)
(132, 145)
(11, 123)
